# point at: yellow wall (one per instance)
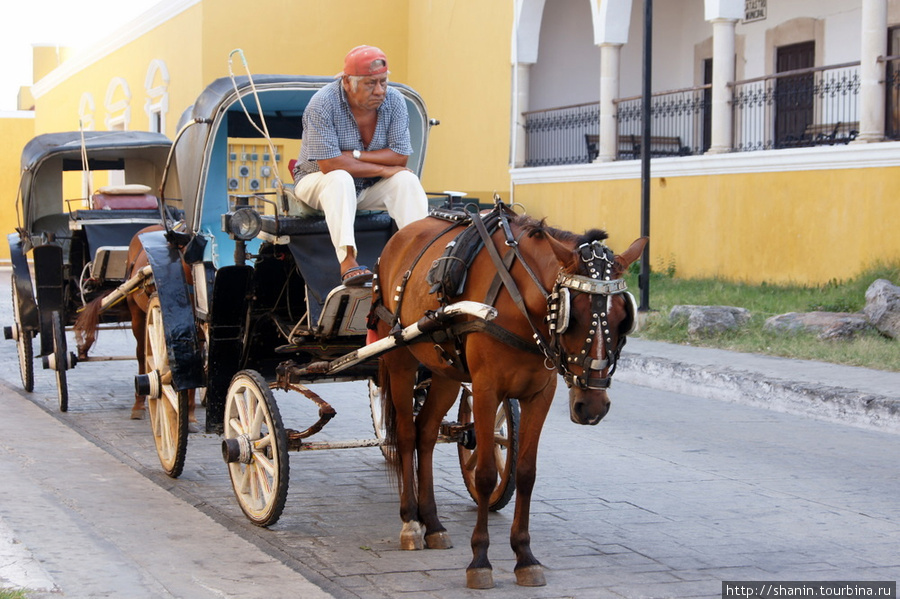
(459, 56)
(15, 133)
(801, 227)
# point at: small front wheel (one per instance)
(60, 355)
(255, 448)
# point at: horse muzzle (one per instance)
(588, 406)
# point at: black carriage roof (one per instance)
(95, 142)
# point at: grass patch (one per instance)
(12, 594)
(869, 349)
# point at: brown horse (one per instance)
(581, 340)
(86, 326)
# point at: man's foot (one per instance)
(356, 276)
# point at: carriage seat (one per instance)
(366, 220)
(124, 197)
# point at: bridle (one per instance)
(601, 288)
(598, 284)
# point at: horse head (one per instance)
(590, 313)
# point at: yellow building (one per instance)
(537, 100)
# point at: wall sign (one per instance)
(754, 10)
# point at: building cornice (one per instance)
(853, 156)
(152, 18)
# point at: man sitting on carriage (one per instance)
(356, 144)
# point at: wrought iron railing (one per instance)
(679, 123)
(801, 108)
(561, 135)
(807, 107)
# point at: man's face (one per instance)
(370, 91)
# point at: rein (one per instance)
(599, 262)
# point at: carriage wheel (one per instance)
(60, 355)
(506, 450)
(168, 408)
(23, 344)
(255, 448)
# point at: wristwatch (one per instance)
(357, 154)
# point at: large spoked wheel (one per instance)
(506, 450)
(24, 343)
(255, 448)
(167, 407)
(60, 355)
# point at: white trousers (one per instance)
(334, 194)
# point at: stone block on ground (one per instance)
(826, 325)
(709, 320)
(883, 307)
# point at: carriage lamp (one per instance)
(243, 224)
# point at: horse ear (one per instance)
(564, 254)
(633, 252)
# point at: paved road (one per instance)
(670, 495)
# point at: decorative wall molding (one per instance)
(853, 156)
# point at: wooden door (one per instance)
(794, 94)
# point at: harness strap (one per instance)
(508, 281)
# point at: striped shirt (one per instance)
(329, 128)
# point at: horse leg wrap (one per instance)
(412, 536)
(480, 578)
(531, 576)
(438, 540)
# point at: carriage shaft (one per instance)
(122, 291)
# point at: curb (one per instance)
(823, 402)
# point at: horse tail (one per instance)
(87, 325)
(388, 420)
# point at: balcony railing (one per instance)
(805, 107)
(679, 123)
(561, 135)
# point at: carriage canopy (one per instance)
(140, 155)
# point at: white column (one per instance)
(871, 71)
(721, 137)
(523, 74)
(609, 91)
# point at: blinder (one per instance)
(599, 260)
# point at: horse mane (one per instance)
(539, 228)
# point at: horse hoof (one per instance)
(138, 414)
(438, 540)
(412, 536)
(480, 578)
(193, 427)
(531, 576)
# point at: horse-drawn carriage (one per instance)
(247, 299)
(78, 246)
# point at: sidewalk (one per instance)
(77, 522)
(831, 392)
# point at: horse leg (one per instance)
(529, 571)
(399, 387)
(441, 396)
(479, 573)
(193, 425)
(138, 327)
